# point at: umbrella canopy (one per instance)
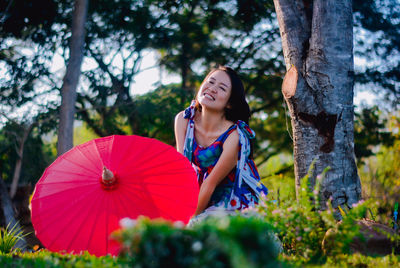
(85, 192)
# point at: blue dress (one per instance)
(241, 188)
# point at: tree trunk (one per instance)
(8, 211)
(317, 39)
(71, 79)
(18, 164)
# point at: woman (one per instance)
(213, 134)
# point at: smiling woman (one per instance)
(213, 134)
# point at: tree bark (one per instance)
(71, 79)
(18, 164)
(317, 39)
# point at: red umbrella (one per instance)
(83, 195)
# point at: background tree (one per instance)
(115, 44)
(188, 39)
(370, 130)
(71, 79)
(377, 42)
(240, 34)
(26, 48)
(317, 38)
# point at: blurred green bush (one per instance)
(230, 241)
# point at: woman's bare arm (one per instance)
(180, 131)
(225, 164)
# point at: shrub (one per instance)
(44, 258)
(302, 225)
(232, 241)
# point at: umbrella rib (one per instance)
(170, 199)
(165, 197)
(173, 172)
(149, 156)
(174, 217)
(64, 182)
(82, 167)
(95, 221)
(63, 191)
(68, 223)
(160, 184)
(124, 208)
(64, 171)
(150, 205)
(126, 153)
(92, 161)
(136, 186)
(157, 165)
(116, 200)
(146, 205)
(104, 149)
(132, 198)
(54, 219)
(80, 225)
(167, 213)
(107, 223)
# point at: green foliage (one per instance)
(48, 259)
(358, 260)
(9, 237)
(36, 156)
(369, 131)
(27, 45)
(156, 111)
(379, 21)
(83, 134)
(217, 242)
(380, 175)
(301, 228)
(277, 175)
(349, 260)
(302, 225)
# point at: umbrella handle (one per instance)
(108, 179)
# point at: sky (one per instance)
(148, 80)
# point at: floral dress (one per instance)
(241, 188)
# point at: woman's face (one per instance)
(215, 91)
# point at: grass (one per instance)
(9, 237)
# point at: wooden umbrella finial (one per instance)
(108, 180)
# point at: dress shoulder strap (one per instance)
(188, 146)
(245, 171)
(245, 134)
(189, 111)
(245, 129)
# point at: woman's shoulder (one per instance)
(180, 119)
(180, 131)
(180, 116)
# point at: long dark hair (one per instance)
(237, 108)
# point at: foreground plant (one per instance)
(303, 225)
(48, 259)
(229, 241)
(9, 237)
